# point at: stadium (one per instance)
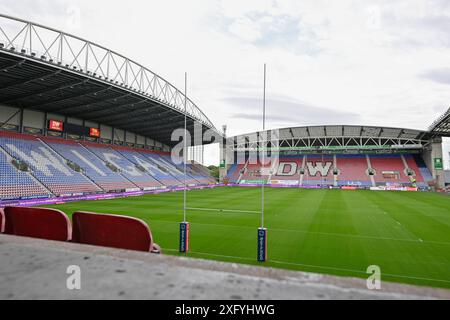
(86, 134)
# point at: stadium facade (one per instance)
(340, 156)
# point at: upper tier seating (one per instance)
(92, 166)
(46, 165)
(113, 231)
(127, 168)
(50, 224)
(353, 170)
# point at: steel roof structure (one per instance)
(47, 70)
(441, 126)
(333, 136)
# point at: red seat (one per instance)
(111, 230)
(41, 223)
(2, 221)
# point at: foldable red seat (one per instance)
(41, 223)
(111, 230)
(2, 221)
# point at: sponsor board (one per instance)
(184, 237)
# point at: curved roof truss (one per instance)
(53, 47)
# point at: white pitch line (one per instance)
(314, 266)
(316, 232)
(223, 210)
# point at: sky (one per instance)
(382, 62)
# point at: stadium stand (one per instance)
(252, 173)
(353, 170)
(389, 169)
(202, 174)
(115, 231)
(339, 170)
(46, 165)
(128, 169)
(318, 170)
(159, 172)
(288, 169)
(234, 172)
(164, 162)
(16, 183)
(91, 165)
(50, 224)
(422, 170)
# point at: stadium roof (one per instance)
(332, 136)
(51, 71)
(333, 131)
(441, 126)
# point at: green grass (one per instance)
(335, 232)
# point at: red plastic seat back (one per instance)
(2, 221)
(111, 230)
(40, 223)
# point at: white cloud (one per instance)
(347, 56)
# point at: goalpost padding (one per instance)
(262, 244)
(184, 237)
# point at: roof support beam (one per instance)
(17, 98)
(42, 77)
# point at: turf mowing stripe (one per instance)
(314, 266)
(315, 232)
(223, 210)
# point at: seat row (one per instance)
(106, 230)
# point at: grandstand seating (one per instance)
(423, 170)
(91, 165)
(178, 169)
(253, 173)
(318, 170)
(46, 165)
(15, 183)
(158, 172)
(389, 163)
(50, 224)
(164, 162)
(234, 171)
(128, 169)
(112, 231)
(288, 169)
(352, 170)
(2, 221)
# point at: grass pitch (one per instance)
(407, 234)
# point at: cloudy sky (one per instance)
(329, 62)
